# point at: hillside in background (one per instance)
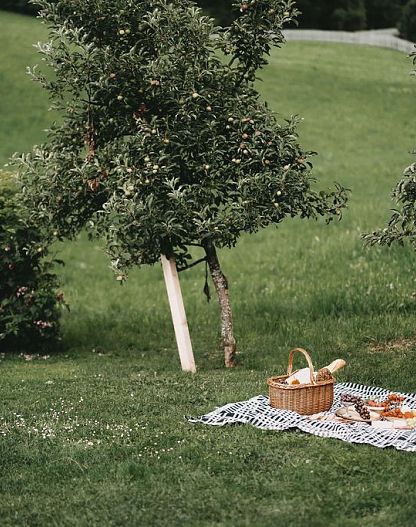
(23, 105)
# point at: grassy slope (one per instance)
(304, 284)
(22, 106)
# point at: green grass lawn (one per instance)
(96, 435)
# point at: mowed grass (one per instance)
(23, 106)
(96, 435)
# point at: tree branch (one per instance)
(180, 269)
(232, 61)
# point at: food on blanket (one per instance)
(349, 398)
(349, 413)
(392, 406)
(395, 398)
(411, 423)
(362, 410)
(399, 413)
(373, 404)
(358, 403)
(395, 412)
(393, 409)
(295, 381)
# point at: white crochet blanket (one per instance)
(257, 412)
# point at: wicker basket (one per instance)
(305, 399)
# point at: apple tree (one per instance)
(164, 142)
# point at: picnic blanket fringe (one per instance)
(258, 413)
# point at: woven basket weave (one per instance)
(305, 399)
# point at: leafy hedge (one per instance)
(348, 15)
(383, 13)
(407, 24)
(327, 14)
(319, 14)
(29, 302)
(20, 6)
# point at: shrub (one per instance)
(347, 15)
(383, 13)
(318, 14)
(20, 6)
(310, 13)
(407, 24)
(29, 303)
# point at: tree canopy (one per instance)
(162, 143)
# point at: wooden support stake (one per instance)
(177, 310)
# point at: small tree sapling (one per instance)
(164, 142)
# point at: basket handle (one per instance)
(308, 360)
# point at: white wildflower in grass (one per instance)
(63, 422)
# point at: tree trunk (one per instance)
(221, 286)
